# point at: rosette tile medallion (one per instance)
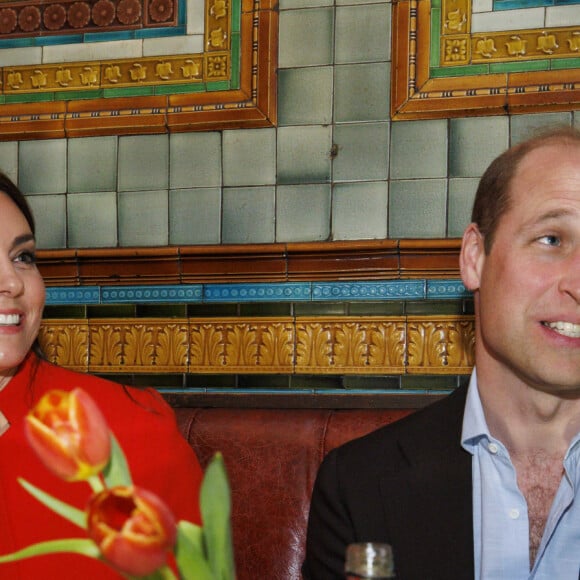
(35, 19)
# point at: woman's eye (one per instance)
(550, 240)
(26, 257)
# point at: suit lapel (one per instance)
(428, 499)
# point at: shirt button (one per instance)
(514, 514)
(493, 448)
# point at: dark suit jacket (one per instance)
(408, 484)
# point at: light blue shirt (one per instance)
(500, 515)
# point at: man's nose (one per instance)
(570, 279)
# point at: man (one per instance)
(482, 484)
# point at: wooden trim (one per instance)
(357, 260)
(302, 401)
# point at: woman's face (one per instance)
(21, 289)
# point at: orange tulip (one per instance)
(133, 529)
(69, 433)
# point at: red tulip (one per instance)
(133, 529)
(69, 433)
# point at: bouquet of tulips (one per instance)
(128, 527)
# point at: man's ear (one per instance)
(472, 257)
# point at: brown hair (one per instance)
(492, 198)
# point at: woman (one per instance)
(159, 458)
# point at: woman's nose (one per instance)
(11, 282)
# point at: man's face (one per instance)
(528, 286)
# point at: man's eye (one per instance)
(550, 240)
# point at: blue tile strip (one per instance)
(260, 292)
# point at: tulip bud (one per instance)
(133, 529)
(69, 433)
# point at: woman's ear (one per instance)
(472, 257)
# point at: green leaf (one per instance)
(82, 546)
(190, 553)
(117, 471)
(68, 512)
(215, 503)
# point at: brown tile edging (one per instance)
(357, 260)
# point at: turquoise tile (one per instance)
(143, 162)
(304, 154)
(303, 96)
(92, 164)
(362, 92)
(306, 37)
(288, 291)
(143, 218)
(373, 290)
(195, 160)
(417, 208)
(418, 149)
(154, 293)
(302, 213)
(72, 296)
(362, 151)
(461, 196)
(42, 166)
(446, 289)
(249, 157)
(363, 33)
(195, 216)
(92, 219)
(475, 142)
(50, 216)
(248, 215)
(359, 210)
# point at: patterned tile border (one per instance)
(258, 292)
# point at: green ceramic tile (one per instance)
(359, 210)
(50, 217)
(371, 383)
(266, 309)
(161, 310)
(303, 96)
(461, 196)
(92, 164)
(296, 4)
(111, 311)
(564, 63)
(30, 98)
(249, 157)
(9, 159)
(194, 216)
(143, 218)
(385, 308)
(525, 66)
(78, 95)
(362, 151)
(212, 310)
(363, 33)
(129, 92)
(195, 160)
(412, 141)
(52, 312)
(92, 219)
(474, 142)
(417, 208)
(523, 127)
(143, 162)
(302, 213)
(434, 307)
(429, 382)
(362, 92)
(320, 309)
(435, 48)
(180, 89)
(459, 71)
(304, 154)
(42, 166)
(306, 37)
(248, 215)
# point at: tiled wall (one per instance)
(335, 168)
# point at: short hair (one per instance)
(9, 188)
(492, 199)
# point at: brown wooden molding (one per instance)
(357, 260)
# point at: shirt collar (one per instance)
(474, 424)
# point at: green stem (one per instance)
(96, 483)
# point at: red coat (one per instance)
(159, 458)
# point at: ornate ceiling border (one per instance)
(441, 69)
(232, 84)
